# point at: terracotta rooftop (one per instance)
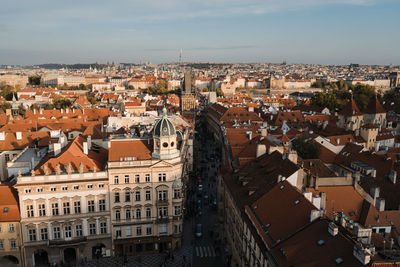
(302, 249)
(74, 155)
(129, 150)
(341, 199)
(9, 209)
(374, 107)
(281, 212)
(350, 109)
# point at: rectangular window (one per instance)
(53, 189)
(138, 230)
(164, 177)
(54, 209)
(177, 193)
(128, 214)
(137, 196)
(91, 206)
(160, 177)
(76, 187)
(11, 227)
(163, 212)
(29, 210)
(1, 244)
(116, 179)
(118, 231)
(66, 208)
(32, 234)
(64, 188)
(102, 205)
(40, 190)
(148, 195)
(101, 185)
(128, 231)
(77, 207)
(148, 213)
(42, 210)
(138, 214)
(116, 197)
(13, 244)
(177, 210)
(68, 231)
(137, 178)
(78, 230)
(162, 228)
(27, 191)
(117, 215)
(127, 179)
(103, 228)
(0, 228)
(148, 230)
(147, 177)
(43, 234)
(127, 196)
(92, 229)
(89, 186)
(7, 157)
(162, 195)
(56, 232)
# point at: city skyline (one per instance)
(307, 31)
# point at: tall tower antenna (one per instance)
(180, 57)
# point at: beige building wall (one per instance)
(11, 242)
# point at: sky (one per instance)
(135, 31)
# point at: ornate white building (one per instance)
(146, 178)
(64, 205)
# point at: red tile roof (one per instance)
(9, 209)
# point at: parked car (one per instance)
(199, 230)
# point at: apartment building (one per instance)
(146, 178)
(65, 206)
(10, 230)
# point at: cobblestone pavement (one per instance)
(154, 260)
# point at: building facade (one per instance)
(146, 177)
(65, 206)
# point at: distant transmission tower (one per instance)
(180, 57)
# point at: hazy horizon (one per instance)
(326, 32)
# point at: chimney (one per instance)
(61, 111)
(18, 135)
(264, 132)
(2, 136)
(40, 111)
(250, 134)
(67, 110)
(333, 229)
(57, 148)
(261, 150)
(89, 141)
(85, 148)
(380, 204)
(34, 111)
(323, 200)
(374, 192)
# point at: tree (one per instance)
(92, 99)
(363, 93)
(34, 80)
(219, 92)
(5, 105)
(6, 91)
(130, 87)
(392, 96)
(61, 102)
(306, 148)
(325, 99)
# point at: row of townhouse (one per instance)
(83, 201)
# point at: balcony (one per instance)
(162, 220)
(177, 217)
(162, 202)
(73, 241)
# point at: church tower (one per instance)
(14, 107)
